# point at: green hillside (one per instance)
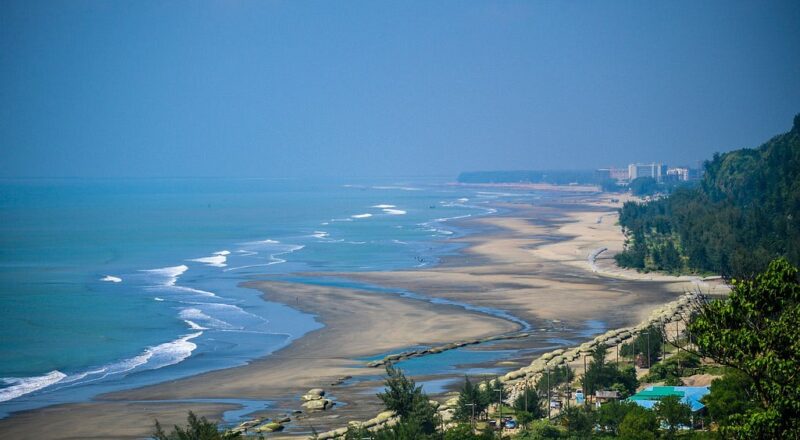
(745, 212)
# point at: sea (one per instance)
(110, 284)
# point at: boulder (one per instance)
(318, 405)
(316, 391)
(270, 427)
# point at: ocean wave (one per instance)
(394, 211)
(367, 215)
(158, 299)
(193, 325)
(169, 274)
(111, 279)
(320, 234)
(219, 259)
(402, 188)
(24, 385)
(194, 316)
(383, 206)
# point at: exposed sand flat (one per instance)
(110, 420)
(531, 262)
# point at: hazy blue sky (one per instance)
(273, 88)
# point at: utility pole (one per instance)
(646, 344)
(500, 406)
(548, 393)
(585, 383)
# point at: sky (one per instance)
(387, 88)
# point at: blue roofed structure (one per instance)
(649, 397)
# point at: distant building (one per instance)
(657, 171)
(679, 174)
(618, 174)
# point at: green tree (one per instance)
(610, 416)
(643, 186)
(673, 413)
(470, 401)
(529, 402)
(649, 341)
(638, 424)
(602, 376)
(196, 429)
(578, 421)
(465, 432)
(730, 395)
(408, 401)
(756, 330)
(541, 430)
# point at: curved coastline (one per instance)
(305, 363)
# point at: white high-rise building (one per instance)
(655, 170)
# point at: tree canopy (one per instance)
(756, 330)
(745, 213)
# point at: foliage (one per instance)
(196, 429)
(610, 415)
(638, 424)
(756, 330)
(541, 430)
(559, 375)
(649, 341)
(643, 186)
(407, 400)
(674, 368)
(602, 376)
(673, 413)
(529, 402)
(470, 395)
(465, 432)
(577, 420)
(745, 212)
(730, 395)
(609, 185)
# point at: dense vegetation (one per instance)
(756, 332)
(744, 213)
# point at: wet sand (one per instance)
(530, 262)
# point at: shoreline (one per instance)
(503, 264)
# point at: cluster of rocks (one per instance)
(382, 420)
(315, 400)
(392, 358)
(260, 426)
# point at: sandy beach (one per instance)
(531, 261)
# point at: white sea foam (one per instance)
(463, 200)
(394, 211)
(403, 188)
(194, 316)
(170, 274)
(367, 215)
(111, 279)
(158, 299)
(320, 234)
(193, 325)
(24, 385)
(382, 206)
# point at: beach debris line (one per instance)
(440, 348)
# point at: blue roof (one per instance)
(691, 396)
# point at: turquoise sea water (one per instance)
(111, 284)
